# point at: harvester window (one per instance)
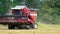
(17, 12)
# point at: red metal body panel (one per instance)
(13, 20)
(33, 16)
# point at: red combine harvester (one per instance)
(21, 17)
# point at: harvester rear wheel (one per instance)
(35, 26)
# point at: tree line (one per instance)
(49, 10)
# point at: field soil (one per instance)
(42, 29)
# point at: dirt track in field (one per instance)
(42, 29)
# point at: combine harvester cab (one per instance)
(21, 17)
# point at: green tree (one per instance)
(4, 6)
(49, 12)
(33, 3)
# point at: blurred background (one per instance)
(49, 10)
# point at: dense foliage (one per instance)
(49, 10)
(4, 6)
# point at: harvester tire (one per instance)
(11, 27)
(28, 26)
(19, 27)
(35, 26)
